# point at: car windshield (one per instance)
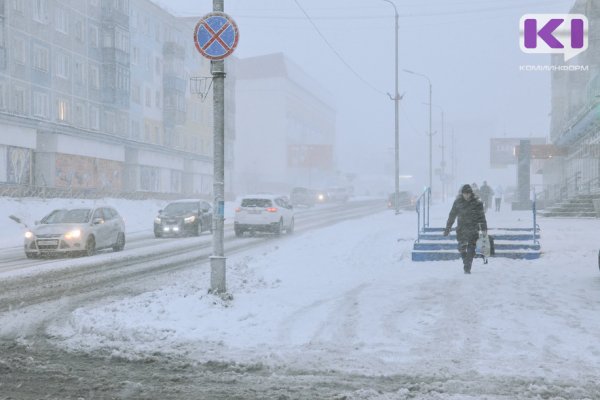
(179, 208)
(81, 215)
(264, 203)
(54, 217)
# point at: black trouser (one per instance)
(498, 202)
(467, 253)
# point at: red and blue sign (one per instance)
(216, 36)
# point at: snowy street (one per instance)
(348, 300)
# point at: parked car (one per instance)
(184, 218)
(406, 200)
(79, 230)
(302, 197)
(338, 194)
(264, 213)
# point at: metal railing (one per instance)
(422, 207)
(536, 227)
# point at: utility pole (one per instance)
(443, 172)
(396, 100)
(218, 283)
(453, 171)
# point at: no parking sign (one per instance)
(216, 36)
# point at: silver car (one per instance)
(80, 230)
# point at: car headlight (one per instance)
(74, 234)
(189, 220)
(157, 220)
(28, 235)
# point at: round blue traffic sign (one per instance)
(216, 36)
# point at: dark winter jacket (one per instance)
(470, 214)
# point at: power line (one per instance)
(338, 55)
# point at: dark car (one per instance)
(184, 218)
(405, 200)
(302, 197)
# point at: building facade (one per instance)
(94, 94)
(285, 127)
(575, 116)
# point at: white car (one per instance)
(80, 231)
(264, 213)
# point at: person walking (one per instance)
(486, 193)
(475, 189)
(498, 193)
(468, 208)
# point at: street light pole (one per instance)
(430, 124)
(396, 100)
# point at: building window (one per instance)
(19, 101)
(94, 38)
(2, 96)
(62, 108)
(40, 11)
(94, 76)
(157, 66)
(62, 65)
(41, 56)
(40, 105)
(122, 41)
(157, 98)
(135, 58)
(79, 72)
(18, 6)
(135, 130)
(19, 51)
(109, 119)
(78, 115)
(136, 91)
(148, 97)
(79, 31)
(62, 21)
(94, 118)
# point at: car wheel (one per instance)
(90, 246)
(31, 255)
(157, 234)
(238, 232)
(279, 228)
(290, 228)
(120, 244)
(199, 229)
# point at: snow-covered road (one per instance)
(348, 298)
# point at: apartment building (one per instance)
(94, 94)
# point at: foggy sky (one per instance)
(468, 48)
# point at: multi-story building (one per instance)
(575, 121)
(285, 127)
(94, 94)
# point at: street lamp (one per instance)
(443, 163)
(396, 100)
(430, 131)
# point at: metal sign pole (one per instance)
(216, 36)
(218, 260)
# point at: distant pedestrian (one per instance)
(475, 189)
(486, 193)
(498, 193)
(468, 208)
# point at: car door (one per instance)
(114, 226)
(100, 230)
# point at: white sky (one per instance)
(469, 49)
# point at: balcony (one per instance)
(113, 16)
(172, 49)
(174, 83)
